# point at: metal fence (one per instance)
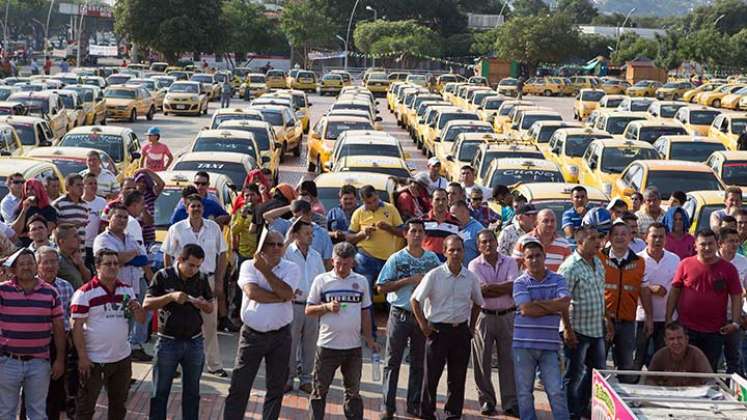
(357, 72)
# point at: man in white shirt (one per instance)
(467, 178)
(341, 300)
(660, 266)
(108, 186)
(434, 176)
(206, 233)
(445, 300)
(96, 205)
(12, 200)
(305, 329)
(728, 242)
(268, 282)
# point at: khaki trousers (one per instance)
(210, 333)
(494, 330)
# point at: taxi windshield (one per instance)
(640, 105)
(651, 134)
(164, 83)
(468, 150)
(616, 125)
(452, 133)
(85, 95)
(166, 202)
(703, 117)
(68, 101)
(508, 82)
(184, 88)
(528, 120)
(38, 106)
(642, 83)
(575, 146)
(224, 144)
(492, 103)
(118, 79)
(369, 150)
(592, 95)
(202, 79)
(693, 151)
(218, 119)
(27, 133)
(523, 176)
(257, 79)
(334, 129)
(261, 136)
(446, 117)
(236, 172)
(670, 181)
(119, 93)
(613, 102)
(615, 159)
(734, 172)
(273, 117)
(738, 126)
(68, 166)
(5, 92)
(111, 144)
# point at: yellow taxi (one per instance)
(668, 176)
(226, 140)
(391, 94)
(727, 127)
(120, 143)
(185, 97)
(443, 79)
(615, 122)
(462, 151)
(126, 102)
(73, 107)
(32, 131)
(92, 101)
(10, 143)
(235, 166)
(264, 135)
(222, 115)
(673, 90)
(696, 119)
(253, 86)
(555, 196)
(502, 147)
(611, 101)
(303, 80)
(276, 79)
(614, 86)
(287, 128)
(478, 80)
(503, 115)
(691, 94)
(700, 205)
(301, 104)
(31, 168)
(377, 83)
(692, 148)
(450, 90)
(587, 100)
(158, 66)
(515, 171)
(151, 85)
(489, 108)
(445, 139)
(665, 109)
(430, 112)
(324, 134)
(366, 143)
(731, 101)
(475, 100)
(408, 96)
(714, 97)
(643, 88)
(71, 160)
(387, 165)
(567, 146)
(604, 160)
(444, 115)
(331, 84)
(651, 130)
(584, 82)
(417, 79)
(524, 118)
(209, 83)
(347, 78)
(550, 86)
(508, 86)
(394, 76)
(47, 105)
(730, 166)
(409, 113)
(541, 131)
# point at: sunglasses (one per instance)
(200, 183)
(18, 181)
(275, 244)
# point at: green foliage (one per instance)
(249, 30)
(535, 39)
(738, 47)
(669, 55)
(381, 37)
(632, 46)
(483, 43)
(306, 23)
(581, 11)
(590, 46)
(529, 8)
(706, 46)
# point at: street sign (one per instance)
(91, 10)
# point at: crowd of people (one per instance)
(510, 287)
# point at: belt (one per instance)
(449, 324)
(253, 331)
(498, 312)
(198, 335)
(299, 303)
(21, 357)
(397, 308)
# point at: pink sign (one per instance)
(605, 403)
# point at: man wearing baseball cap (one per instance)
(414, 201)
(155, 155)
(523, 223)
(434, 175)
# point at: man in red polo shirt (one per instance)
(701, 289)
(439, 224)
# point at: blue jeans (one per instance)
(33, 376)
(369, 267)
(623, 348)
(526, 362)
(138, 331)
(403, 331)
(168, 355)
(589, 354)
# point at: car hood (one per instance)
(180, 95)
(119, 102)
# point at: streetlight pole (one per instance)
(5, 29)
(619, 30)
(718, 19)
(347, 36)
(371, 9)
(83, 12)
(345, 44)
(46, 28)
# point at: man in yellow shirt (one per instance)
(244, 240)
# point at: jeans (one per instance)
(644, 344)
(401, 328)
(711, 344)
(304, 334)
(732, 348)
(526, 362)
(33, 377)
(589, 354)
(115, 377)
(369, 267)
(326, 363)
(449, 346)
(138, 331)
(274, 348)
(225, 101)
(169, 354)
(623, 347)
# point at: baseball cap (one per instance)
(527, 209)
(422, 179)
(10, 261)
(433, 161)
(615, 202)
(287, 191)
(598, 219)
(153, 131)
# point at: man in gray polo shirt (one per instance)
(341, 300)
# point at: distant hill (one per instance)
(649, 7)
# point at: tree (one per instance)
(738, 47)
(632, 46)
(581, 11)
(483, 43)
(529, 8)
(306, 23)
(249, 30)
(669, 55)
(706, 46)
(536, 39)
(172, 27)
(383, 37)
(593, 45)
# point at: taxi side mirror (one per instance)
(378, 119)
(316, 136)
(135, 155)
(593, 165)
(628, 191)
(450, 158)
(278, 145)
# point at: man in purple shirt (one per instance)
(495, 324)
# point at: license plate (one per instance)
(181, 107)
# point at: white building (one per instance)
(615, 31)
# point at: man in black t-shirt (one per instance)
(180, 293)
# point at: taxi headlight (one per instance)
(194, 98)
(607, 188)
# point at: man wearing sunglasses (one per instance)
(211, 208)
(13, 199)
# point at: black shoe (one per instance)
(219, 373)
(512, 412)
(414, 412)
(139, 355)
(487, 410)
(226, 325)
(386, 416)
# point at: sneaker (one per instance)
(512, 412)
(306, 388)
(139, 355)
(226, 325)
(386, 416)
(219, 373)
(487, 410)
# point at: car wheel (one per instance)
(283, 151)
(150, 114)
(716, 103)
(103, 120)
(204, 111)
(547, 92)
(319, 164)
(165, 113)
(297, 150)
(133, 115)
(310, 166)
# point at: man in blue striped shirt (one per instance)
(540, 296)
